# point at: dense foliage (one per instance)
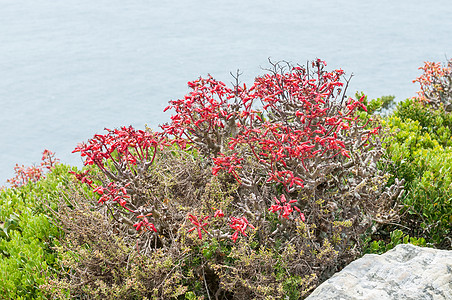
(419, 147)
(27, 232)
(422, 155)
(257, 192)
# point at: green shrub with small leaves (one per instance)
(396, 237)
(421, 151)
(27, 235)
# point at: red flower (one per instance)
(229, 163)
(302, 217)
(239, 224)
(145, 222)
(218, 213)
(285, 208)
(83, 177)
(199, 225)
(99, 190)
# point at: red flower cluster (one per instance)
(144, 223)
(83, 177)
(229, 163)
(302, 118)
(23, 174)
(285, 208)
(435, 82)
(120, 154)
(239, 225)
(204, 110)
(218, 213)
(199, 225)
(125, 145)
(113, 193)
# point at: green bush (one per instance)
(435, 122)
(396, 237)
(27, 236)
(420, 148)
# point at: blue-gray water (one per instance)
(70, 68)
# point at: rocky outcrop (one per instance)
(405, 272)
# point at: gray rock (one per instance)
(405, 272)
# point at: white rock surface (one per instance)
(406, 272)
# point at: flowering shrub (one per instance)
(307, 137)
(284, 172)
(123, 156)
(23, 174)
(436, 85)
(304, 125)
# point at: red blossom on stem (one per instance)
(48, 159)
(239, 225)
(113, 193)
(435, 82)
(23, 174)
(130, 151)
(199, 225)
(204, 110)
(144, 223)
(228, 163)
(285, 208)
(125, 145)
(83, 177)
(218, 213)
(301, 120)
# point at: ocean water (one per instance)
(68, 69)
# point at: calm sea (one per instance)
(70, 68)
